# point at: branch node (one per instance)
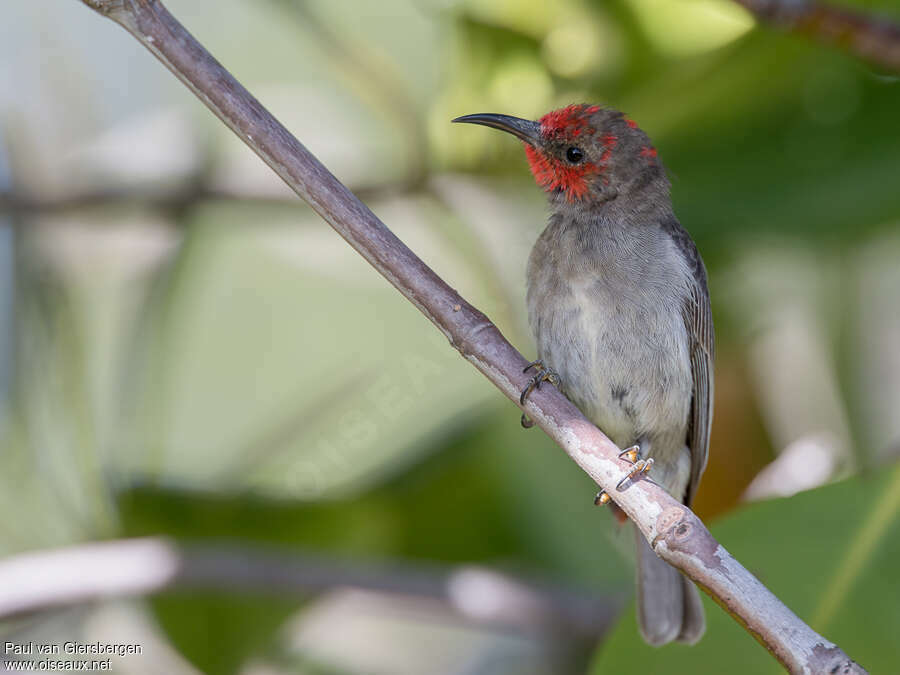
(105, 7)
(834, 661)
(668, 519)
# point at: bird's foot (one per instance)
(602, 498)
(541, 374)
(639, 469)
(632, 456)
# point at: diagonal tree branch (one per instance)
(674, 532)
(876, 40)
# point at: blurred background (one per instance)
(188, 353)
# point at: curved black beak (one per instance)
(528, 131)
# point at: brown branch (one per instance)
(876, 40)
(675, 533)
(74, 575)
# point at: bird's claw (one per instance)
(640, 466)
(602, 498)
(631, 454)
(639, 469)
(542, 374)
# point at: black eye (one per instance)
(574, 155)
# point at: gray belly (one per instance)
(622, 354)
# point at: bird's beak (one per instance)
(528, 131)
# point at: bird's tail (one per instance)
(668, 604)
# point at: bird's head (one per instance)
(582, 153)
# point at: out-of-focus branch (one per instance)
(42, 580)
(675, 533)
(373, 77)
(876, 40)
(7, 278)
(194, 191)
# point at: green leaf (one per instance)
(217, 632)
(829, 554)
(284, 364)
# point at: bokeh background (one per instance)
(187, 351)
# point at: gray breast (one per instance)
(606, 314)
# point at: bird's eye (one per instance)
(574, 155)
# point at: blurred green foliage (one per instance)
(829, 554)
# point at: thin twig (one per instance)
(675, 533)
(194, 191)
(876, 40)
(74, 575)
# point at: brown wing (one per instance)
(698, 321)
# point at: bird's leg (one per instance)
(630, 455)
(640, 467)
(542, 374)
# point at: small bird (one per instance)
(619, 307)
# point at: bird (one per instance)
(618, 304)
